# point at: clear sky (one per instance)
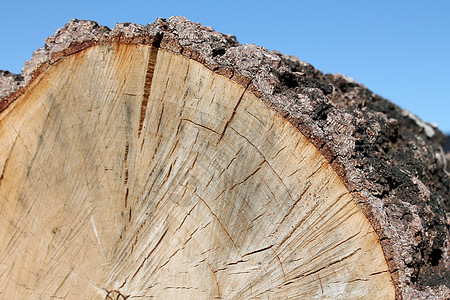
(400, 49)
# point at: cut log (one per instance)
(141, 163)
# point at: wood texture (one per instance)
(131, 171)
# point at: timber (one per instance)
(168, 161)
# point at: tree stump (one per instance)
(169, 161)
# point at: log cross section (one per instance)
(138, 172)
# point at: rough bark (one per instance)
(392, 163)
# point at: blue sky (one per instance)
(399, 49)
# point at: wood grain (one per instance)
(128, 171)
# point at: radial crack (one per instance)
(147, 86)
(233, 113)
(220, 223)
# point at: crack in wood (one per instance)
(218, 221)
(7, 159)
(254, 116)
(159, 120)
(215, 279)
(270, 128)
(125, 161)
(147, 86)
(320, 283)
(212, 177)
(137, 235)
(322, 268)
(357, 279)
(324, 185)
(231, 161)
(253, 173)
(45, 176)
(333, 247)
(236, 262)
(259, 216)
(279, 260)
(296, 202)
(149, 254)
(179, 249)
(278, 152)
(298, 225)
(173, 149)
(314, 234)
(200, 125)
(167, 175)
(148, 179)
(233, 113)
(180, 115)
(332, 220)
(270, 190)
(317, 170)
(61, 284)
(276, 174)
(184, 219)
(258, 251)
(245, 201)
(124, 282)
(377, 273)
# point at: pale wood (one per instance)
(135, 171)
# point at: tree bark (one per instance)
(170, 161)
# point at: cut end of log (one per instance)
(150, 162)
